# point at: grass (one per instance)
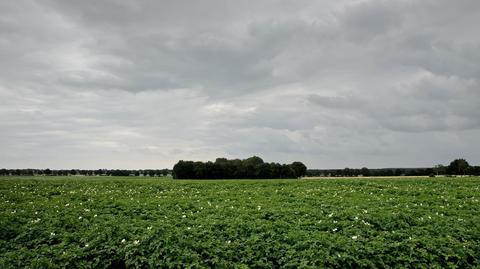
(107, 222)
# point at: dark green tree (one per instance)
(458, 167)
(253, 161)
(184, 169)
(365, 172)
(299, 168)
(439, 169)
(253, 167)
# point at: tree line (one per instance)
(81, 172)
(456, 167)
(366, 172)
(253, 167)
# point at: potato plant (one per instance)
(104, 222)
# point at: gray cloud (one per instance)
(94, 84)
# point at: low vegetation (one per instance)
(92, 222)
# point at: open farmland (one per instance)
(82, 222)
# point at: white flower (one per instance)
(86, 245)
(52, 234)
(95, 215)
(330, 215)
(259, 207)
(184, 216)
(228, 241)
(335, 229)
(149, 227)
(354, 237)
(366, 223)
(136, 242)
(123, 241)
(80, 217)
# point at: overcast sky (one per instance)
(334, 84)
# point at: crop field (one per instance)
(107, 222)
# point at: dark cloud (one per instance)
(332, 83)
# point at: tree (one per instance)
(470, 170)
(264, 171)
(439, 169)
(253, 167)
(299, 168)
(184, 169)
(287, 171)
(476, 170)
(200, 170)
(365, 172)
(458, 167)
(389, 172)
(253, 161)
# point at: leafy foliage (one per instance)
(150, 223)
(458, 167)
(250, 168)
(80, 172)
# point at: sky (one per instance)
(143, 84)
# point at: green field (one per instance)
(106, 222)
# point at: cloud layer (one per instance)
(122, 84)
